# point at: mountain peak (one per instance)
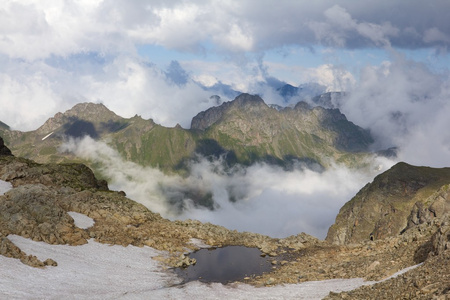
(83, 116)
(210, 116)
(91, 111)
(247, 99)
(288, 91)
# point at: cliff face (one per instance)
(397, 200)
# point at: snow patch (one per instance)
(81, 221)
(93, 270)
(99, 271)
(4, 187)
(47, 135)
(199, 243)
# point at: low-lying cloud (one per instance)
(264, 199)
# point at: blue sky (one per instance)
(302, 57)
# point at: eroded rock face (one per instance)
(393, 202)
(441, 239)
(21, 171)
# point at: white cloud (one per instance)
(27, 100)
(341, 30)
(38, 29)
(33, 92)
(130, 87)
(406, 105)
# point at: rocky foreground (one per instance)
(43, 194)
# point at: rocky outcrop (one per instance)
(393, 202)
(207, 118)
(3, 149)
(441, 239)
(433, 209)
(20, 171)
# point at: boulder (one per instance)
(3, 149)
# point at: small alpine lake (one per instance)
(224, 265)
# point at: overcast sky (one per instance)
(150, 58)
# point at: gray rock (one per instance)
(3, 149)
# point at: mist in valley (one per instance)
(260, 198)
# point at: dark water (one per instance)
(225, 264)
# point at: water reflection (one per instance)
(225, 264)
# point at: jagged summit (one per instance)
(249, 118)
(244, 99)
(206, 118)
(83, 116)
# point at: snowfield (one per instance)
(99, 271)
(4, 187)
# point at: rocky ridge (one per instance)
(246, 130)
(395, 201)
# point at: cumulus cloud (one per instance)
(130, 87)
(405, 104)
(27, 94)
(340, 29)
(68, 27)
(260, 198)
(33, 92)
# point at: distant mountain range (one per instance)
(245, 130)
